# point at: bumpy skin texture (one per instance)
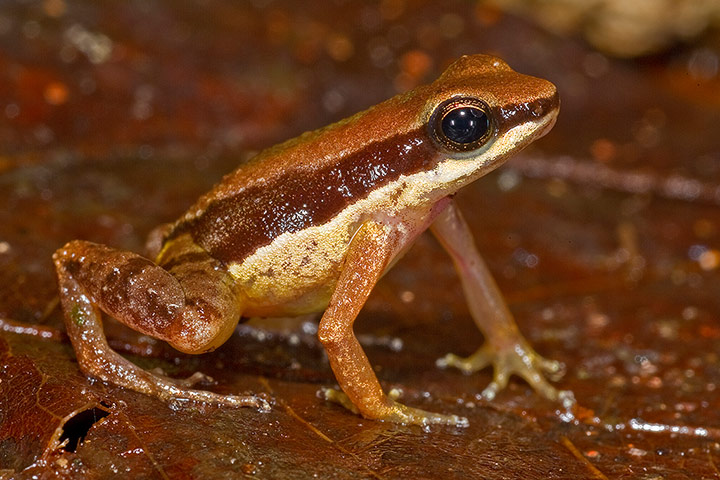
(312, 224)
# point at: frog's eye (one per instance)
(461, 124)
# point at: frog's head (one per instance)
(480, 111)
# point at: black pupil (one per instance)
(465, 125)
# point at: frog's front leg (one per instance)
(371, 251)
(505, 348)
(192, 305)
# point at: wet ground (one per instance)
(604, 237)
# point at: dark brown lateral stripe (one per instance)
(233, 228)
(516, 113)
(171, 262)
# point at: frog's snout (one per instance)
(546, 105)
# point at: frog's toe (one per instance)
(482, 358)
(503, 369)
(194, 380)
(526, 363)
(262, 402)
(179, 398)
(400, 413)
(197, 378)
(396, 412)
(339, 397)
(179, 392)
(555, 369)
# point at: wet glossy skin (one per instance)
(311, 225)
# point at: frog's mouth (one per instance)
(520, 136)
(545, 126)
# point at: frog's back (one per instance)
(305, 182)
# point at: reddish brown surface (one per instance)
(612, 267)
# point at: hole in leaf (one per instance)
(77, 427)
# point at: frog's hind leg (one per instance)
(191, 305)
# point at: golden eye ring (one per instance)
(462, 124)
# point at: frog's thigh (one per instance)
(194, 311)
(191, 305)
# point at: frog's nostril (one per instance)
(538, 109)
(543, 106)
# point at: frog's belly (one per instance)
(296, 273)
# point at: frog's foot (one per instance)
(397, 412)
(519, 359)
(197, 378)
(177, 392)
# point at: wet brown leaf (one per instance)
(605, 238)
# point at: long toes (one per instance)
(339, 397)
(197, 378)
(567, 398)
(450, 420)
(259, 402)
(466, 365)
(538, 382)
(449, 360)
(490, 391)
(400, 413)
(263, 404)
(552, 367)
(499, 382)
(520, 360)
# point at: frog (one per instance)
(311, 225)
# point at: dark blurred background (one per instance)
(604, 235)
